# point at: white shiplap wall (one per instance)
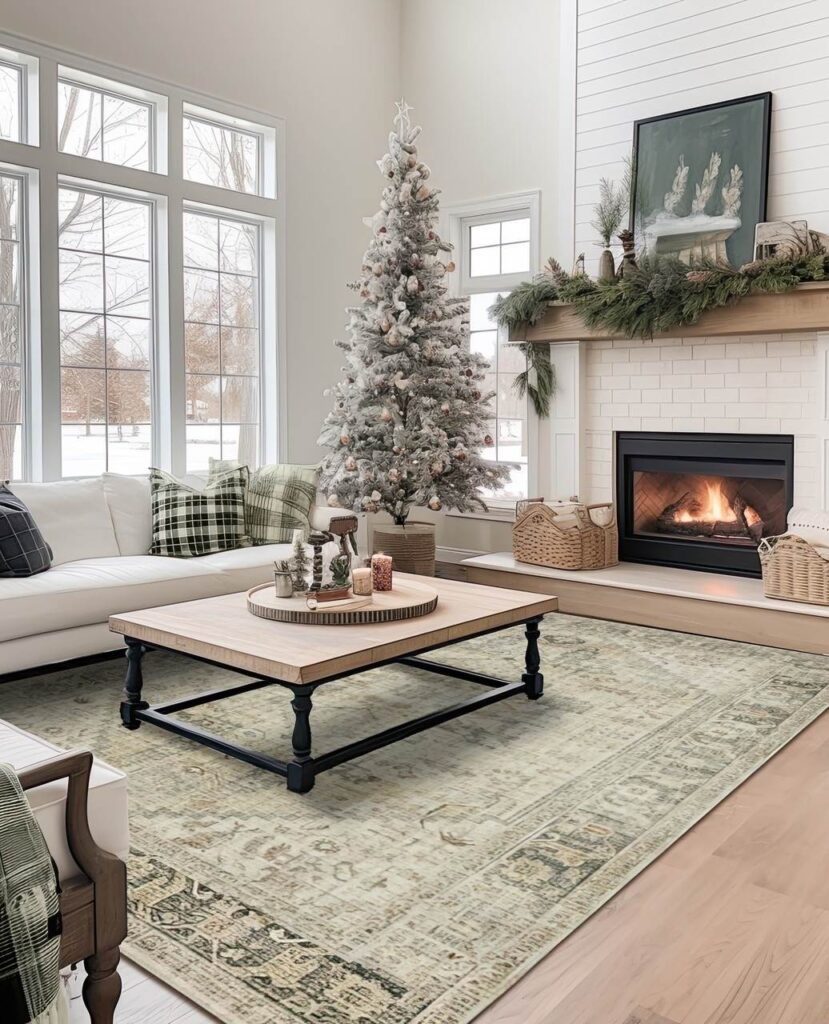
(639, 58)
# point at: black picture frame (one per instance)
(764, 99)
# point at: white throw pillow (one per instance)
(73, 516)
(128, 498)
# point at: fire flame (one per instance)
(715, 508)
(718, 509)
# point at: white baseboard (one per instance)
(455, 555)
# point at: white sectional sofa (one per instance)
(100, 532)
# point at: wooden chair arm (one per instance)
(106, 872)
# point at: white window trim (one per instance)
(45, 165)
(29, 326)
(27, 66)
(455, 217)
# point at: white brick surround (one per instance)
(754, 385)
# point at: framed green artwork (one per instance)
(700, 179)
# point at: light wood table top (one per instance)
(221, 629)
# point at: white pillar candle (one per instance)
(361, 581)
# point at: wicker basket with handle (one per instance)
(571, 539)
(793, 570)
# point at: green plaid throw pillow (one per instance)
(187, 522)
(279, 499)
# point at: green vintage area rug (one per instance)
(419, 883)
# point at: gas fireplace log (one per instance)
(667, 517)
(697, 528)
(668, 520)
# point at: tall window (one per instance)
(11, 327)
(495, 255)
(221, 338)
(106, 331)
(510, 427)
(144, 196)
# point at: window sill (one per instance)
(494, 515)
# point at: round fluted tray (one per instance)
(408, 600)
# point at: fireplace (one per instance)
(701, 501)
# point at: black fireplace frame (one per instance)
(770, 456)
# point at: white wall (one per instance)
(482, 76)
(331, 70)
(640, 58)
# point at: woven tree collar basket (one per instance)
(412, 547)
(573, 536)
(793, 570)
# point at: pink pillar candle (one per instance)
(381, 571)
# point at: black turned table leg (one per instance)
(132, 701)
(533, 680)
(301, 771)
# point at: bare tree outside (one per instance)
(217, 155)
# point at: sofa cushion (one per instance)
(128, 498)
(88, 591)
(23, 551)
(278, 501)
(106, 807)
(245, 567)
(73, 516)
(188, 522)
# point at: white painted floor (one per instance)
(145, 1000)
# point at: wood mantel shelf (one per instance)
(805, 308)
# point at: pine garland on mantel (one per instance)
(659, 295)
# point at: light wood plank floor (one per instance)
(729, 926)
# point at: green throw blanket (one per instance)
(30, 922)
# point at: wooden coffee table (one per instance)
(221, 631)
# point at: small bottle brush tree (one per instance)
(300, 564)
(410, 419)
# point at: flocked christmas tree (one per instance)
(410, 420)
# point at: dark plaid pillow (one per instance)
(23, 550)
(187, 522)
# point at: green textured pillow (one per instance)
(188, 522)
(279, 500)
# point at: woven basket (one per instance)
(412, 547)
(793, 570)
(543, 536)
